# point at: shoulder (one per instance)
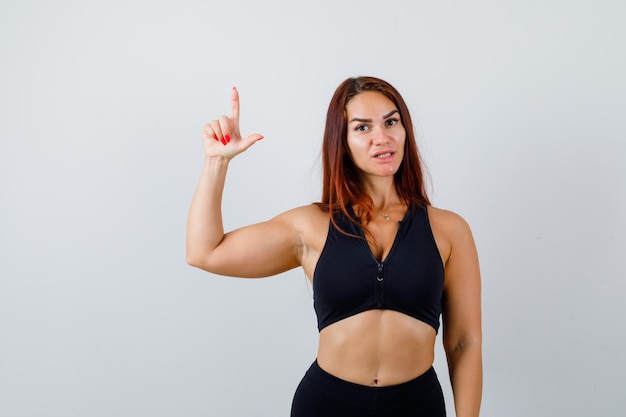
(451, 231)
(310, 224)
(447, 221)
(307, 213)
(304, 219)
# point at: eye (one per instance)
(392, 122)
(362, 128)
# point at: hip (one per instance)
(321, 393)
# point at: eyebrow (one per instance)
(388, 115)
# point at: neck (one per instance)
(383, 193)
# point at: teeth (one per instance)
(385, 155)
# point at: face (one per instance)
(376, 134)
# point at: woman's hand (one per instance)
(221, 137)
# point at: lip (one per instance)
(377, 154)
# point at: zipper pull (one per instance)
(379, 273)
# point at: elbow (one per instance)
(192, 261)
(460, 347)
(463, 353)
(202, 261)
(196, 255)
(457, 345)
(195, 260)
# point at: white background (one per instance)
(520, 112)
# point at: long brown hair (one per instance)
(342, 186)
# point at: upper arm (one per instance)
(462, 287)
(258, 250)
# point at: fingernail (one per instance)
(215, 137)
(261, 138)
(227, 137)
(223, 141)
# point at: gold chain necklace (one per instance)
(385, 215)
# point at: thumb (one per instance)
(250, 140)
(254, 138)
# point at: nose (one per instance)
(379, 138)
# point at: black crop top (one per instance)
(348, 279)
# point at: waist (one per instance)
(377, 348)
(326, 380)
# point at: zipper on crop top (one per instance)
(380, 276)
(380, 265)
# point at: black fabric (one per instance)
(321, 394)
(348, 279)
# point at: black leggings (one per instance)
(321, 394)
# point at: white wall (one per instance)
(520, 110)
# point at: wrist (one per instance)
(217, 160)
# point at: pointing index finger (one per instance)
(234, 104)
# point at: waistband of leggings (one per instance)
(422, 382)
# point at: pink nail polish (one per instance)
(261, 138)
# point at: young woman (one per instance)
(384, 264)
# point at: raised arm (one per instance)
(462, 336)
(254, 251)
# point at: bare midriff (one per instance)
(377, 348)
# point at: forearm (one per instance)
(205, 228)
(466, 377)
